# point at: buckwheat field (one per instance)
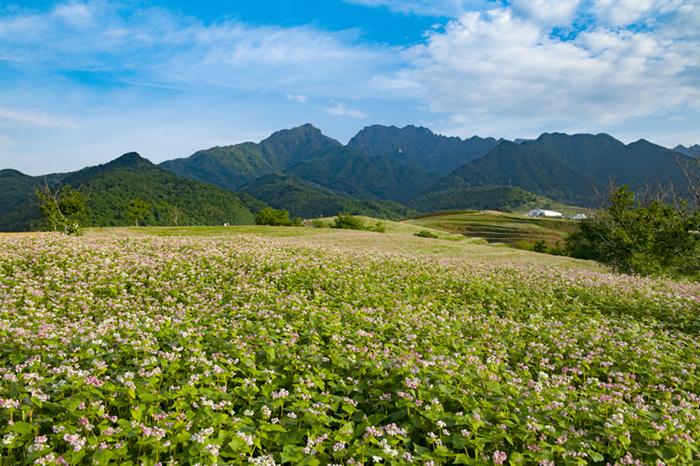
(240, 350)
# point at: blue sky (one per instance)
(83, 82)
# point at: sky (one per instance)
(82, 82)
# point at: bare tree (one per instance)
(175, 213)
(690, 167)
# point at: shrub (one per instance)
(319, 224)
(348, 222)
(379, 228)
(540, 246)
(425, 234)
(524, 245)
(276, 218)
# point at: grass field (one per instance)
(398, 238)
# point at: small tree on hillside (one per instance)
(137, 208)
(643, 234)
(276, 218)
(58, 204)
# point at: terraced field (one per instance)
(499, 227)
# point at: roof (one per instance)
(546, 213)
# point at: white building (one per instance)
(544, 213)
(579, 217)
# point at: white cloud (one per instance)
(506, 66)
(547, 12)
(341, 109)
(74, 13)
(25, 118)
(626, 12)
(297, 98)
(446, 8)
(156, 46)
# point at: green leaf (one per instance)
(77, 456)
(668, 452)
(446, 389)
(102, 456)
(22, 427)
(309, 461)
(420, 450)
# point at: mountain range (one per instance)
(384, 172)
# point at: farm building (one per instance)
(579, 217)
(543, 213)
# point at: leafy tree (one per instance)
(137, 208)
(348, 222)
(59, 204)
(276, 218)
(643, 235)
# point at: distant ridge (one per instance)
(419, 147)
(234, 166)
(384, 171)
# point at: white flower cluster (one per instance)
(262, 461)
(202, 435)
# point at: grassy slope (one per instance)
(397, 239)
(500, 228)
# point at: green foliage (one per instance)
(319, 224)
(137, 208)
(425, 234)
(60, 206)
(653, 238)
(276, 218)
(348, 222)
(540, 246)
(524, 245)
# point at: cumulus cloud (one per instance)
(547, 12)
(297, 98)
(501, 64)
(341, 109)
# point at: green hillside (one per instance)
(602, 156)
(233, 166)
(504, 198)
(17, 188)
(530, 168)
(309, 200)
(364, 177)
(112, 185)
(419, 147)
